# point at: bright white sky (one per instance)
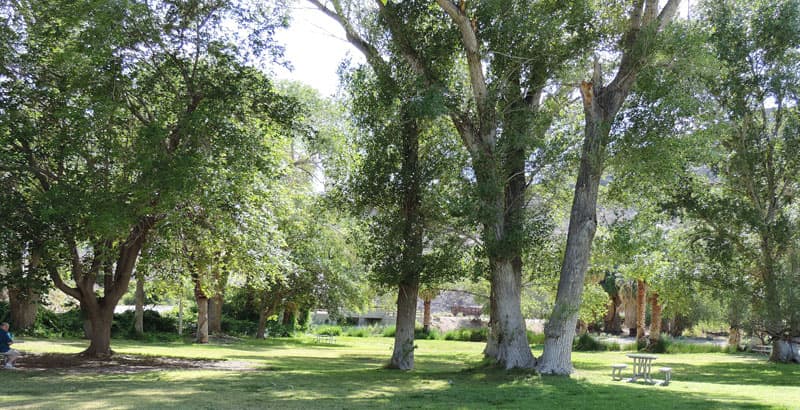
(315, 45)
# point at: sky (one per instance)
(315, 46)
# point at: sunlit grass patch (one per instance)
(299, 373)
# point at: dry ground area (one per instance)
(121, 364)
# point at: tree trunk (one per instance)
(508, 340)
(403, 353)
(22, 304)
(202, 313)
(601, 103)
(655, 318)
(734, 337)
(426, 316)
(261, 330)
(100, 318)
(612, 322)
(138, 322)
(289, 316)
(560, 329)
(23, 296)
(629, 307)
(264, 312)
(202, 319)
(641, 306)
(785, 351)
(180, 314)
(99, 310)
(215, 314)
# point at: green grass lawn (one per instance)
(298, 373)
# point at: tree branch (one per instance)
(370, 52)
(668, 13)
(470, 41)
(56, 277)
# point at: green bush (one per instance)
(660, 346)
(154, 323)
(329, 330)
(358, 332)
(278, 329)
(48, 323)
(51, 324)
(587, 343)
(432, 334)
(468, 335)
(678, 347)
(419, 333)
(238, 327)
(535, 338)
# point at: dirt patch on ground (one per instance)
(122, 364)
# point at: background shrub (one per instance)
(468, 334)
(329, 330)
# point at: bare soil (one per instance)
(121, 364)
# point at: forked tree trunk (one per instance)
(100, 317)
(641, 306)
(601, 104)
(507, 341)
(403, 352)
(138, 322)
(99, 310)
(560, 329)
(655, 318)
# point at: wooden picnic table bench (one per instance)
(326, 339)
(764, 349)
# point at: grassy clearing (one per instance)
(302, 374)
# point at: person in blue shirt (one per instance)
(5, 346)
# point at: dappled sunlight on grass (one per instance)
(288, 374)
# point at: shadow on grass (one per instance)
(749, 370)
(354, 381)
(748, 373)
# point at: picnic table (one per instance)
(642, 366)
(326, 339)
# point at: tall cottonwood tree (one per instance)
(394, 182)
(747, 200)
(601, 102)
(494, 95)
(116, 112)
